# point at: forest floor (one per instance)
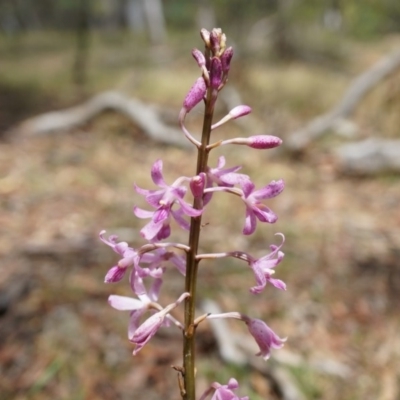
(58, 336)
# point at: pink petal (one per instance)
(178, 217)
(189, 210)
(157, 175)
(115, 274)
(140, 213)
(278, 283)
(150, 230)
(250, 222)
(247, 187)
(264, 214)
(124, 303)
(269, 191)
(195, 94)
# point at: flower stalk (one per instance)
(189, 336)
(150, 262)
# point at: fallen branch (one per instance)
(142, 115)
(369, 156)
(359, 87)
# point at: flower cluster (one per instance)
(169, 204)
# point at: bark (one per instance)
(82, 45)
(154, 14)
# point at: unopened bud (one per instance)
(199, 57)
(226, 59)
(205, 35)
(239, 111)
(215, 39)
(222, 43)
(236, 112)
(195, 94)
(197, 184)
(215, 73)
(260, 142)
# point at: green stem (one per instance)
(192, 263)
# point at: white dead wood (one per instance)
(357, 90)
(142, 115)
(369, 156)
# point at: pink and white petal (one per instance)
(221, 162)
(179, 263)
(219, 172)
(154, 199)
(111, 241)
(134, 321)
(124, 303)
(178, 217)
(257, 289)
(247, 187)
(121, 247)
(157, 175)
(188, 209)
(143, 192)
(114, 274)
(250, 222)
(236, 179)
(233, 383)
(264, 214)
(260, 277)
(269, 191)
(147, 330)
(164, 232)
(179, 191)
(161, 214)
(140, 213)
(151, 230)
(155, 288)
(277, 283)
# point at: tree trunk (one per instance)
(82, 45)
(154, 14)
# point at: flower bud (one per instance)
(215, 39)
(215, 73)
(205, 35)
(195, 94)
(260, 142)
(197, 184)
(226, 59)
(199, 57)
(239, 111)
(222, 43)
(264, 141)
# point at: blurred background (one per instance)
(90, 91)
